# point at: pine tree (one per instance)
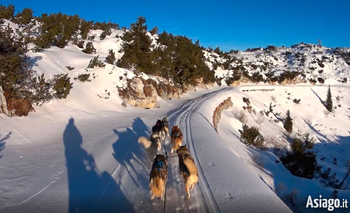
(288, 123)
(89, 49)
(111, 57)
(329, 102)
(154, 30)
(25, 16)
(7, 12)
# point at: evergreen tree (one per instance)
(288, 123)
(85, 27)
(329, 102)
(7, 12)
(61, 86)
(154, 30)
(137, 51)
(302, 160)
(111, 57)
(25, 16)
(89, 49)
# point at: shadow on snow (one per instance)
(90, 190)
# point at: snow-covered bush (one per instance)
(301, 161)
(251, 136)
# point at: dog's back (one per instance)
(176, 133)
(188, 169)
(165, 123)
(158, 176)
(157, 127)
(176, 138)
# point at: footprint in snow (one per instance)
(228, 194)
(212, 163)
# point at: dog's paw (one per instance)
(187, 198)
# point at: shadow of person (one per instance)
(127, 150)
(3, 142)
(89, 190)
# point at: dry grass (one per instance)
(260, 118)
(241, 116)
(257, 162)
(21, 107)
(274, 142)
(273, 98)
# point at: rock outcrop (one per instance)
(138, 94)
(3, 103)
(217, 112)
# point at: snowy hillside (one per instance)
(81, 153)
(314, 62)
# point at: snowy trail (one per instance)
(202, 199)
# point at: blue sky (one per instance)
(234, 24)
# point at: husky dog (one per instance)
(161, 128)
(176, 138)
(152, 145)
(164, 132)
(157, 127)
(158, 177)
(188, 169)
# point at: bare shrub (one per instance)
(257, 162)
(241, 116)
(290, 198)
(274, 142)
(297, 101)
(326, 112)
(273, 98)
(70, 68)
(260, 118)
(19, 107)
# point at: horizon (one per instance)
(228, 25)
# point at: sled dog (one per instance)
(188, 169)
(154, 141)
(158, 177)
(176, 138)
(152, 146)
(164, 132)
(161, 128)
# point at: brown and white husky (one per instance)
(158, 177)
(188, 169)
(176, 138)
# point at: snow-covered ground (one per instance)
(74, 159)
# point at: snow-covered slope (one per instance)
(313, 61)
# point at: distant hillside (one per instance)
(43, 57)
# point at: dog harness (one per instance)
(160, 166)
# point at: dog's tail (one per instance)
(157, 187)
(146, 143)
(166, 131)
(192, 169)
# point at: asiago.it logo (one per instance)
(330, 204)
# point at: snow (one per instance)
(81, 153)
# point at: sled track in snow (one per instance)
(182, 117)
